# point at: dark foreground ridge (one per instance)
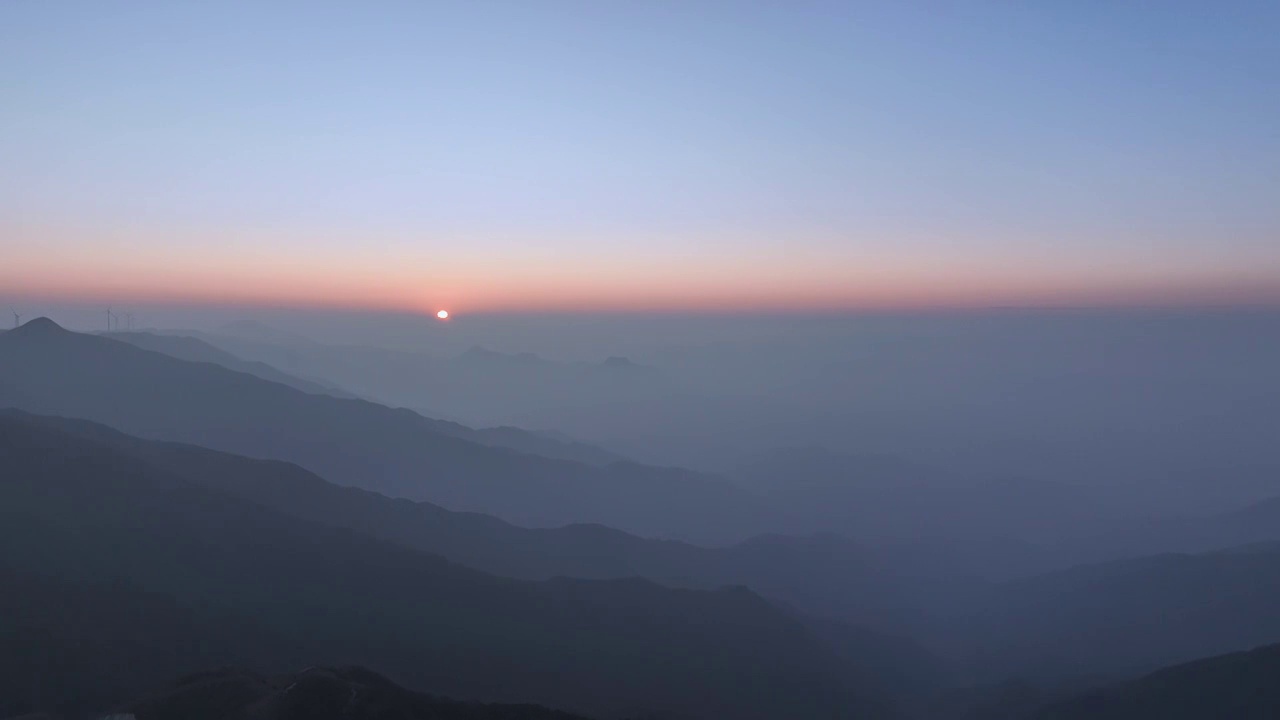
(1240, 686)
(118, 574)
(351, 693)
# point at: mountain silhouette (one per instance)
(1129, 616)
(397, 452)
(537, 443)
(1240, 686)
(481, 387)
(348, 693)
(38, 327)
(824, 575)
(193, 349)
(196, 350)
(74, 647)
(82, 512)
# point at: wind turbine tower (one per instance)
(17, 319)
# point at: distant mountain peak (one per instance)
(37, 327)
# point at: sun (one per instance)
(443, 314)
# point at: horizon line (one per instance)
(1265, 302)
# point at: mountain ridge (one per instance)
(1237, 685)
(185, 347)
(825, 576)
(607, 648)
(354, 442)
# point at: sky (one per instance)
(667, 155)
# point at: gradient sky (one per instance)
(668, 154)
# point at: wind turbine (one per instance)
(129, 321)
(17, 319)
(109, 317)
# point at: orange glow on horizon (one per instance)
(700, 279)
(533, 295)
(282, 269)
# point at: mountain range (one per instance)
(1241, 686)
(1128, 616)
(349, 693)
(263, 563)
(49, 370)
(1171, 608)
(195, 350)
(479, 385)
(823, 575)
(190, 348)
(82, 513)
